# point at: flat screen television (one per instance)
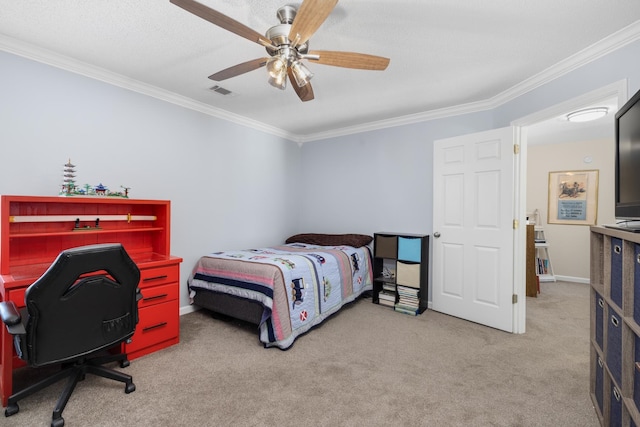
(627, 168)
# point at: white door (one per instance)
(473, 233)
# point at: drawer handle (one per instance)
(615, 321)
(600, 362)
(638, 366)
(159, 325)
(617, 249)
(155, 297)
(148, 279)
(601, 302)
(616, 393)
(638, 259)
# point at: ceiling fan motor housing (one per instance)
(279, 34)
(286, 14)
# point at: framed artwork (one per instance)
(573, 197)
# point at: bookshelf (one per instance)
(544, 268)
(400, 269)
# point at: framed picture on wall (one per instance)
(573, 197)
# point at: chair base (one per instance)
(74, 372)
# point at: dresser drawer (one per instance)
(158, 323)
(614, 346)
(408, 274)
(616, 271)
(409, 248)
(386, 246)
(158, 294)
(159, 275)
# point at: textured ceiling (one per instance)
(444, 53)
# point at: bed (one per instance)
(286, 289)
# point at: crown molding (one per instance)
(609, 44)
(400, 121)
(44, 56)
(597, 50)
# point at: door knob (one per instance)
(436, 234)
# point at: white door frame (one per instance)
(618, 89)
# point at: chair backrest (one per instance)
(85, 302)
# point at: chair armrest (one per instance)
(11, 317)
(9, 313)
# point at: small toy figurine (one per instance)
(100, 190)
(69, 187)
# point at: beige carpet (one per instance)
(366, 366)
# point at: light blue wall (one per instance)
(230, 186)
(390, 170)
(376, 181)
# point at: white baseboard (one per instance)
(188, 309)
(573, 279)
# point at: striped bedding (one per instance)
(298, 285)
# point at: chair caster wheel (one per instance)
(124, 363)
(130, 388)
(11, 409)
(57, 422)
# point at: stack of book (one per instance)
(408, 302)
(387, 295)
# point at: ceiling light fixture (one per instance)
(277, 69)
(587, 114)
(301, 73)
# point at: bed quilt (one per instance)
(299, 285)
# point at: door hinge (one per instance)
(514, 299)
(516, 149)
(516, 224)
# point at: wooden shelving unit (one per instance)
(615, 326)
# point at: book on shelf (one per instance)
(387, 295)
(406, 310)
(387, 298)
(388, 303)
(543, 266)
(389, 287)
(408, 290)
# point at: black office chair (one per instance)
(85, 304)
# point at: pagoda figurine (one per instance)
(69, 182)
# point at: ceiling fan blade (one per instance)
(238, 69)
(305, 93)
(223, 21)
(360, 61)
(310, 16)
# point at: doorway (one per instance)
(550, 143)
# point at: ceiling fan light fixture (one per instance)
(301, 73)
(276, 66)
(279, 81)
(587, 114)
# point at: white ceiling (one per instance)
(445, 54)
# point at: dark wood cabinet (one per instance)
(615, 326)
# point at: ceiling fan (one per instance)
(287, 45)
